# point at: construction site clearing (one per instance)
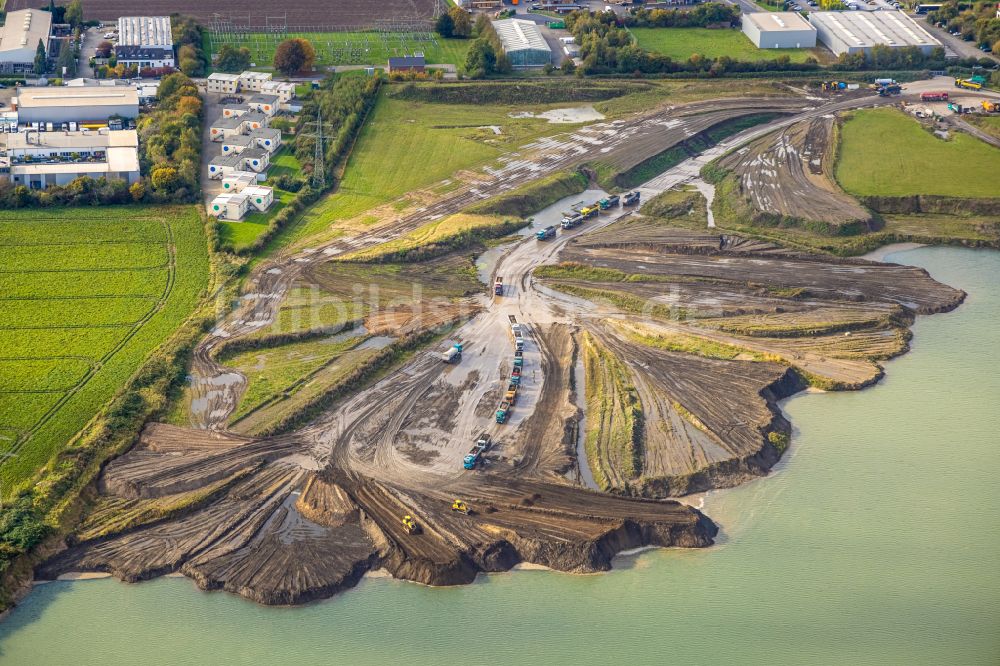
(609, 363)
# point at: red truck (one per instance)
(934, 97)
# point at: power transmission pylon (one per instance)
(319, 155)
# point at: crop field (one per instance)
(84, 297)
(439, 140)
(682, 43)
(300, 12)
(350, 48)
(884, 152)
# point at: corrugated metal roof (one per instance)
(518, 35)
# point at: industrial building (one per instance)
(407, 64)
(19, 38)
(145, 31)
(144, 56)
(76, 104)
(41, 159)
(853, 32)
(779, 30)
(523, 43)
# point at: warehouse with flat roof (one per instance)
(523, 43)
(779, 30)
(853, 32)
(151, 31)
(76, 103)
(19, 38)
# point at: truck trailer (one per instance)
(453, 355)
(476, 453)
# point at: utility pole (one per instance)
(319, 159)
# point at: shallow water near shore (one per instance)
(876, 541)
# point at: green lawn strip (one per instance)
(81, 256)
(272, 372)
(884, 152)
(43, 374)
(407, 145)
(188, 283)
(354, 48)
(682, 43)
(988, 124)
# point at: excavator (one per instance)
(461, 507)
(410, 525)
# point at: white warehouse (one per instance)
(851, 32)
(779, 30)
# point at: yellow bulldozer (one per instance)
(991, 107)
(460, 506)
(410, 525)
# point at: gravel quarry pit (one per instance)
(301, 515)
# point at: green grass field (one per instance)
(353, 48)
(682, 43)
(407, 145)
(85, 296)
(884, 152)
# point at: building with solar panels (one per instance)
(523, 43)
(853, 32)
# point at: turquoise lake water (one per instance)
(877, 541)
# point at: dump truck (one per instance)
(515, 328)
(518, 359)
(546, 233)
(968, 84)
(588, 212)
(572, 221)
(991, 107)
(609, 202)
(939, 96)
(891, 89)
(475, 454)
(498, 286)
(453, 355)
(511, 395)
(518, 342)
(410, 525)
(503, 412)
(515, 376)
(631, 199)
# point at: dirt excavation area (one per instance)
(377, 400)
(788, 176)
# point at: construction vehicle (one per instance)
(934, 97)
(609, 202)
(518, 342)
(968, 84)
(503, 411)
(518, 359)
(453, 355)
(891, 89)
(498, 286)
(476, 452)
(546, 233)
(410, 525)
(515, 376)
(991, 107)
(511, 395)
(590, 211)
(515, 328)
(572, 221)
(461, 507)
(955, 106)
(631, 199)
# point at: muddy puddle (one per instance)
(575, 114)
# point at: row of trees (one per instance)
(169, 159)
(486, 55)
(189, 38)
(710, 13)
(977, 21)
(456, 23)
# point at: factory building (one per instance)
(779, 30)
(523, 43)
(76, 104)
(853, 32)
(19, 38)
(145, 31)
(41, 159)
